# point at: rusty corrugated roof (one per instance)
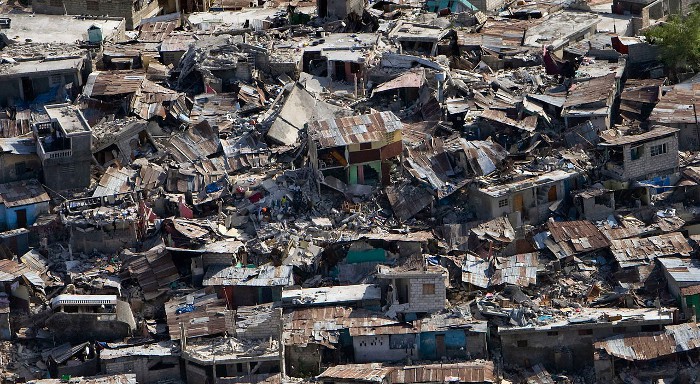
(656, 132)
(637, 251)
(572, 237)
(18, 193)
(371, 373)
(468, 372)
(321, 325)
(649, 346)
(114, 83)
(678, 105)
(597, 89)
(354, 129)
(209, 316)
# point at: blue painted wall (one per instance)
(455, 344)
(9, 215)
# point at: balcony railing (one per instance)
(43, 155)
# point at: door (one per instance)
(518, 203)
(440, 346)
(27, 89)
(552, 194)
(21, 218)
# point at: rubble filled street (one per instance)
(349, 191)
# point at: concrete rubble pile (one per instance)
(346, 192)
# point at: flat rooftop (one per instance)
(339, 294)
(210, 20)
(498, 190)
(591, 316)
(58, 28)
(560, 28)
(68, 117)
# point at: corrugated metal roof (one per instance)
(179, 42)
(127, 378)
(431, 164)
(656, 132)
(153, 269)
(595, 90)
(113, 83)
(198, 142)
(528, 124)
(263, 276)
(10, 270)
(155, 32)
(648, 346)
(475, 271)
(321, 325)
(681, 270)
(467, 372)
(641, 91)
(518, 270)
(410, 79)
(638, 251)
(677, 106)
(209, 317)
(115, 180)
(573, 237)
(24, 192)
(371, 373)
(354, 129)
(63, 352)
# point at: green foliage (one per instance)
(679, 41)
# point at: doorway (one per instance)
(440, 346)
(21, 218)
(27, 89)
(552, 194)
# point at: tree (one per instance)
(679, 41)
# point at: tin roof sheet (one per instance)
(354, 129)
(649, 346)
(24, 192)
(637, 251)
(263, 276)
